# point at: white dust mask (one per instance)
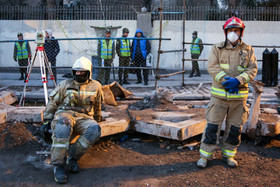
(232, 37)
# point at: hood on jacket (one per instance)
(139, 30)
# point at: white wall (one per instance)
(256, 33)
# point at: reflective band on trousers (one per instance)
(60, 145)
(229, 153)
(68, 92)
(224, 93)
(206, 154)
(219, 76)
(194, 47)
(125, 50)
(22, 52)
(106, 51)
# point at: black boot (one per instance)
(21, 77)
(72, 165)
(59, 174)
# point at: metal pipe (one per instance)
(179, 50)
(159, 44)
(260, 46)
(183, 54)
(118, 38)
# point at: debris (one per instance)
(139, 140)
(190, 146)
(269, 111)
(125, 137)
(46, 153)
(7, 97)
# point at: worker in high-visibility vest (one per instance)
(196, 50)
(106, 52)
(123, 50)
(232, 64)
(22, 52)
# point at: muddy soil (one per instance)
(134, 159)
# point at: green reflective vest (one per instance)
(106, 51)
(125, 47)
(22, 52)
(194, 47)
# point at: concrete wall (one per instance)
(256, 33)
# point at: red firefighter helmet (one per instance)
(234, 22)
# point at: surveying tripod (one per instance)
(43, 64)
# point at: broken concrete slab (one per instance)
(113, 126)
(3, 112)
(176, 131)
(268, 125)
(28, 114)
(176, 125)
(7, 97)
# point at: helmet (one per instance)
(125, 30)
(234, 22)
(82, 64)
(19, 34)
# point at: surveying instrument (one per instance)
(43, 59)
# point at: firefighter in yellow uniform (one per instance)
(74, 109)
(232, 64)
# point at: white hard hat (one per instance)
(82, 64)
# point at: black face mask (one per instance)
(81, 78)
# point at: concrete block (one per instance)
(3, 112)
(26, 114)
(113, 126)
(174, 130)
(7, 97)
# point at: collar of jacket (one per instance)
(230, 46)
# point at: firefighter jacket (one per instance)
(79, 99)
(229, 61)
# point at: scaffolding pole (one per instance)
(183, 55)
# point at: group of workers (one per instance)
(74, 107)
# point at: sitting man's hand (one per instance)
(44, 130)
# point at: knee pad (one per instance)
(233, 137)
(211, 134)
(62, 128)
(93, 133)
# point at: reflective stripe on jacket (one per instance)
(195, 49)
(83, 99)
(238, 62)
(106, 51)
(125, 47)
(22, 52)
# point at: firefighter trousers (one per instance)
(235, 113)
(66, 126)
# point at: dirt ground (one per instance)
(135, 159)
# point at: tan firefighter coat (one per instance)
(238, 62)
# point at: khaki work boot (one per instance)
(202, 162)
(231, 162)
(59, 174)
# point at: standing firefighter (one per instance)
(232, 64)
(74, 109)
(123, 51)
(106, 52)
(21, 54)
(196, 50)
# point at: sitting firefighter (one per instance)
(74, 109)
